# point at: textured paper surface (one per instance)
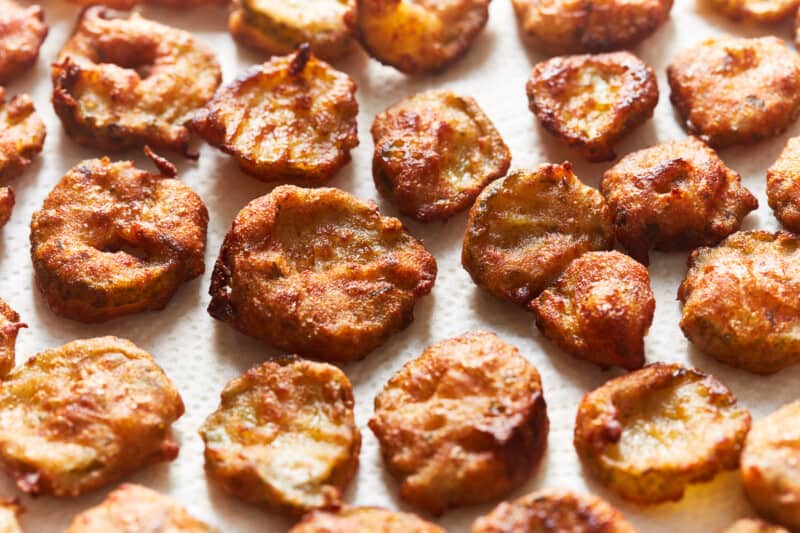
(201, 355)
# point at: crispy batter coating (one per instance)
(6, 205)
(599, 309)
(84, 415)
(364, 520)
(294, 117)
(22, 32)
(762, 11)
(434, 153)
(126, 82)
(418, 36)
(128, 4)
(674, 196)
(591, 101)
(771, 466)
(575, 26)
(284, 436)
(748, 525)
(112, 239)
(526, 228)
(22, 134)
(9, 511)
(279, 27)
(320, 273)
(649, 434)
(133, 508)
(734, 90)
(9, 327)
(741, 301)
(783, 186)
(553, 511)
(464, 423)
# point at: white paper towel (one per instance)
(201, 355)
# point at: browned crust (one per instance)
(22, 32)
(783, 186)
(9, 327)
(6, 205)
(22, 134)
(363, 520)
(758, 11)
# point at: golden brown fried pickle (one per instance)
(525, 229)
(434, 153)
(320, 273)
(783, 186)
(9, 327)
(464, 423)
(364, 520)
(284, 436)
(133, 508)
(84, 415)
(292, 118)
(674, 196)
(9, 511)
(278, 27)
(125, 82)
(22, 134)
(748, 525)
(112, 239)
(553, 511)
(735, 90)
(418, 36)
(575, 26)
(741, 301)
(22, 32)
(599, 309)
(591, 101)
(771, 466)
(762, 11)
(649, 434)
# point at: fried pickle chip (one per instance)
(112, 239)
(84, 415)
(133, 508)
(553, 511)
(783, 186)
(649, 434)
(434, 153)
(599, 309)
(418, 36)
(279, 27)
(284, 436)
(22, 32)
(9, 511)
(591, 101)
(524, 229)
(736, 91)
(748, 525)
(294, 117)
(126, 82)
(9, 327)
(771, 466)
(364, 520)
(575, 26)
(741, 301)
(674, 196)
(763, 11)
(464, 423)
(320, 273)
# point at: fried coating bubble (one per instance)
(771, 466)
(418, 36)
(599, 309)
(651, 433)
(748, 525)
(320, 273)
(741, 301)
(84, 415)
(131, 508)
(22, 32)
(126, 82)
(524, 229)
(591, 101)
(22, 134)
(556, 511)
(736, 91)
(575, 26)
(294, 117)
(284, 436)
(464, 423)
(674, 196)
(278, 27)
(112, 239)
(783, 186)
(434, 153)
(762, 11)
(9, 327)
(364, 520)
(9, 511)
